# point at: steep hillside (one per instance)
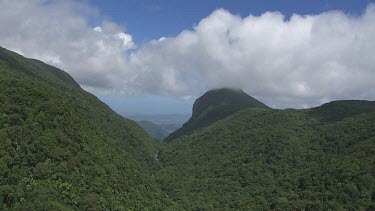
(63, 149)
(260, 159)
(215, 105)
(154, 130)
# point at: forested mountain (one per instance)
(61, 148)
(259, 159)
(215, 105)
(154, 130)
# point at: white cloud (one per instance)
(59, 33)
(302, 58)
(126, 39)
(294, 60)
(98, 29)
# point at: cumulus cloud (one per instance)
(59, 33)
(297, 59)
(302, 58)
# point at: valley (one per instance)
(63, 149)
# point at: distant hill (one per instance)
(338, 110)
(169, 122)
(215, 105)
(159, 119)
(154, 130)
(63, 149)
(263, 159)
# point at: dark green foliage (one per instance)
(154, 130)
(63, 149)
(215, 105)
(261, 159)
(338, 110)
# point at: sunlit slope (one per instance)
(61, 148)
(260, 159)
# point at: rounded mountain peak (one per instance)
(225, 96)
(215, 105)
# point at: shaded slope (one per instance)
(338, 110)
(154, 130)
(260, 159)
(215, 105)
(61, 148)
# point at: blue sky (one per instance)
(147, 20)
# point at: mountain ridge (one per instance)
(262, 159)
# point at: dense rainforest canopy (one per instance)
(63, 149)
(315, 159)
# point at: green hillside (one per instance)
(63, 149)
(260, 159)
(153, 129)
(215, 105)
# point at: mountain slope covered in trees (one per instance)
(61, 148)
(259, 159)
(215, 105)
